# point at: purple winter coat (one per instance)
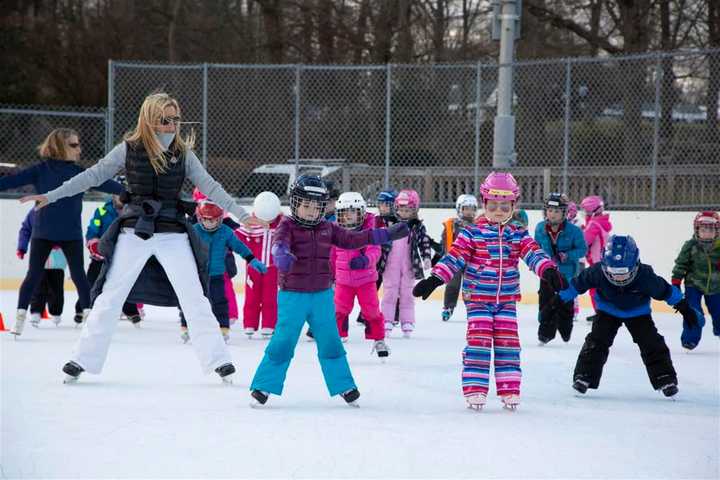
(311, 272)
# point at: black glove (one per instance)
(425, 287)
(554, 279)
(689, 314)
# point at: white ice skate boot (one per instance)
(511, 401)
(83, 319)
(382, 349)
(344, 339)
(56, 319)
(19, 322)
(35, 319)
(476, 401)
(266, 332)
(226, 335)
(249, 332)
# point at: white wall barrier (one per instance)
(658, 234)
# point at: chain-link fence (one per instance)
(640, 130)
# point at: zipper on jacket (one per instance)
(497, 297)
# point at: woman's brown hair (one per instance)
(54, 144)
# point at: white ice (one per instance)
(151, 413)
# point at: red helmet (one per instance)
(209, 211)
(707, 218)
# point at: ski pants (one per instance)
(294, 309)
(367, 296)
(691, 335)
(653, 350)
(261, 299)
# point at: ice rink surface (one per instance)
(153, 414)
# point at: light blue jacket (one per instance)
(218, 242)
(570, 241)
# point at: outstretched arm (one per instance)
(96, 175)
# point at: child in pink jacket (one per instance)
(356, 274)
(406, 262)
(597, 229)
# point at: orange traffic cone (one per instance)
(45, 314)
(2, 324)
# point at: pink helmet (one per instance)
(500, 186)
(571, 211)
(592, 204)
(407, 198)
(198, 196)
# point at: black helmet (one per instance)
(556, 200)
(308, 188)
(333, 191)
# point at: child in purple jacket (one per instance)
(301, 249)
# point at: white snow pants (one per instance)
(173, 252)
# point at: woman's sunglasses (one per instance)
(170, 121)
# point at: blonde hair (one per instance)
(151, 113)
(54, 144)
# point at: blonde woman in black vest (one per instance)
(151, 256)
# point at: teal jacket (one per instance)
(101, 220)
(218, 243)
(570, 241)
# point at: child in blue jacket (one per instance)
(219, 238)
(565, 244)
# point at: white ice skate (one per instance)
(344, 339)
(382, 349)
(266, 332)
(56, 319)
(19, 323)
(35, 320)
(85, 314)
(511, 401)
(476, 401)
(184, 336)
(249, 332)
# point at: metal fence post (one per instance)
(388, 87)
(478, 94)
(109, 134)
(296, 147)
(656, 132)
(205, 114)
(566, 127)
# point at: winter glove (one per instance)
(427, 264)
(554, 279)
(360, 262)
(425, 287)
(20, 254)
(92, 246)
(689, 314)
(258, 266)
(283, 257)
(381, 236)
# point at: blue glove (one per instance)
(568, 294)
(258, 265)
(360, 262)
(283, 257)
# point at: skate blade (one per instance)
(227, 380)
(510, 408)
(354, 404)
(35, 325)
(475, 407)
(70, 380)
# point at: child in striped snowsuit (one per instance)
(489, 252)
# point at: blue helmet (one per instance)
(387, 196)
(621, 260)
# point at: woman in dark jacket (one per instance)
(60, 223)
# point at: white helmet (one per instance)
(465, 200)
(350, 201)
(266, 206)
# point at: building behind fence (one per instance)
(640, 130)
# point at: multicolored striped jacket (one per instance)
(489, 253)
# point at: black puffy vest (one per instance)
(144, 183)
